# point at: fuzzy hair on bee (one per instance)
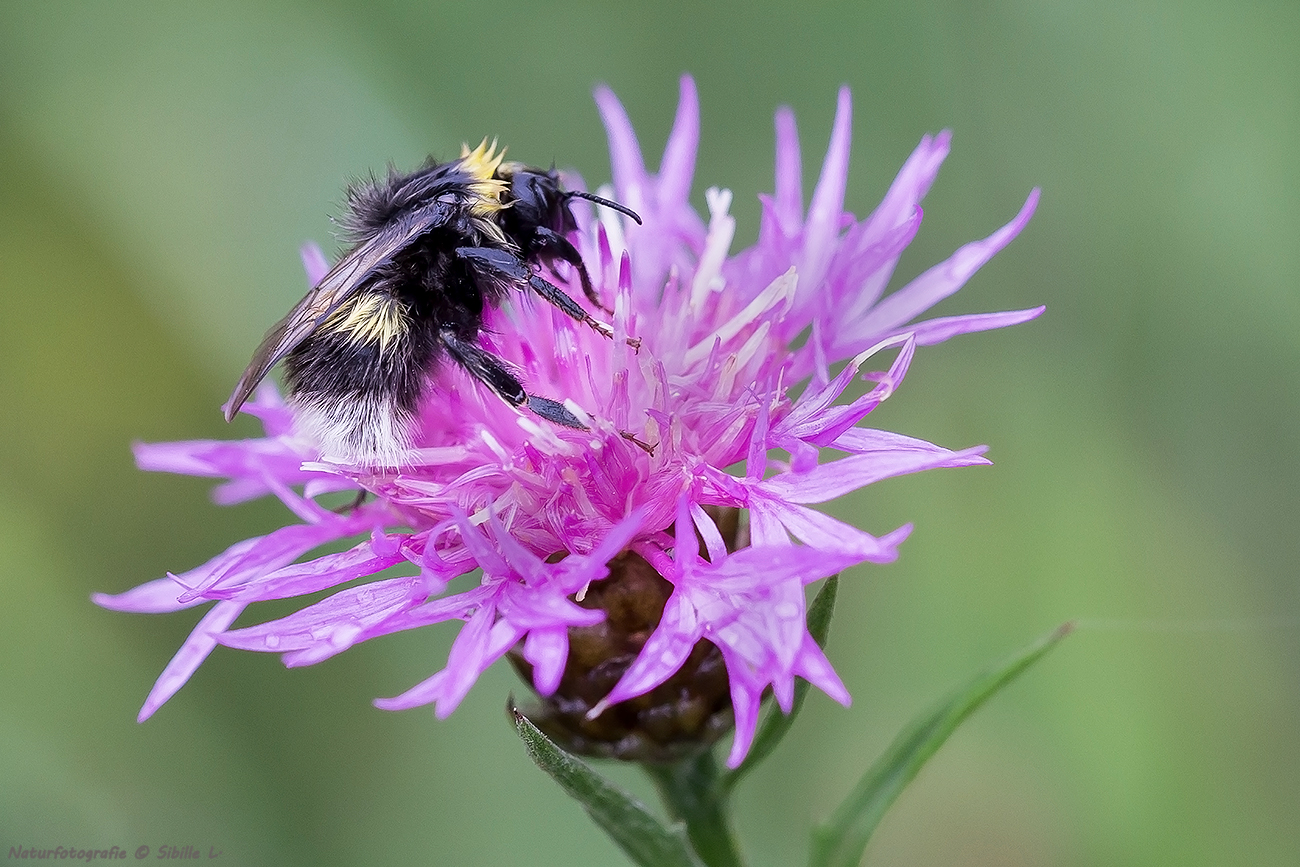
(430, 251)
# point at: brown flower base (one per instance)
(681, 716)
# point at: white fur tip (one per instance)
(368, 431)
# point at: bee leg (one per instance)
(554, 411)
(492, 372)
(556, 296)
(503, 268)
(357, 503)
(553, 245)
(645, 447)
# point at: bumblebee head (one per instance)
(537, 199)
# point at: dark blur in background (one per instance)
(159, 168)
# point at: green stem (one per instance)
(693, 791)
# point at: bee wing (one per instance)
(342, 281)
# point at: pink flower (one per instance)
(715, 384)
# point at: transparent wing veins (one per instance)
(343, 280)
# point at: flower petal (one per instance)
(330, 626)
(827, 206)
(838, 478)
(787, 200)
(942, 280)
(663, 653)
(202, 641)
(677, 169)
(547, 650)
(626, 162)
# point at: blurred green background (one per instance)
(160, 164)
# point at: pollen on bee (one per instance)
(482, 161)
(371, 319)
(481, 165)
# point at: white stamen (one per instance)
(896, 340)
(779, 292)
(722, 228)
(613, 222)
(495, 446)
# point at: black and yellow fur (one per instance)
(431, 250)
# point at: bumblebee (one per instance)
(430, 251)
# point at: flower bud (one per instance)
(681, 716)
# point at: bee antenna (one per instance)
(622, 209)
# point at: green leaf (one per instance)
(625, 819)
(775, 724)
(841, 839)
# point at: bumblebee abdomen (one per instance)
(358, 380)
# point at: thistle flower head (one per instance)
(722, 389)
